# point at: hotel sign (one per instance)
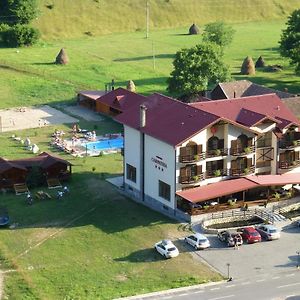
(158, 161)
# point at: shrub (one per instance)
(20, 35)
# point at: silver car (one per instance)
(198, 241)
(268, 232)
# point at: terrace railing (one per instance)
(289, 164)
(217, 152)
(242, 151)
(191, 158)
(191, 179)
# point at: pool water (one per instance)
(106, 144)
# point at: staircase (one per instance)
(268, 215)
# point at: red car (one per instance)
(250, 235)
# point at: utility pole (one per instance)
(153, 55)
(147, 19)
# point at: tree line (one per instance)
(15, 19)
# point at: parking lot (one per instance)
(254, 259)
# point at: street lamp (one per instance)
(228, 267)
(298, 259)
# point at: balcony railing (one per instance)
(191, 158)
(289, 164)
(216, 173)
(191, 179)
(242, 172)
(242, 151)
(289, 144)
(217, 152)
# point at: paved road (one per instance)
(282, 286)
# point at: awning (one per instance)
(268, 180)
(215, 190)
(228, 187)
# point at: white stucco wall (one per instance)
(132, 153)
(154, 172)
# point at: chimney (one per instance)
(234, 94)
(143, 109)
(112, 84)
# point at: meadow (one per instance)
(97, 244)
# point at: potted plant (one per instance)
(217, 152)
(247, 150)
(196, 178)
(217, 173)
(246, 171)
(295, 143)
(196, 157)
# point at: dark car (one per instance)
(250, 235)
(230, 237)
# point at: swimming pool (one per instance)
(103, 145)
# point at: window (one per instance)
(131, 173)
(164, 190)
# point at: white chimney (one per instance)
(143, 109)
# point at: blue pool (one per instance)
(102, 145)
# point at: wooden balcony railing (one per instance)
(242, 172)
(191, 179)
(217, 152)
(191, 158)
(289, 144)
(216, 173)
(289, 164)
(242, 151)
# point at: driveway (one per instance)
(254, 259)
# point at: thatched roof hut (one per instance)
(260, 63)
(131, 86)
(194, 29)
(248, 67)
(62, 57)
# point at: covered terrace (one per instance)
(242, 190)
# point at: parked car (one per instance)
(297, 223)
(250, 235)
(230, 237)
(198, 241)
(166, 248)
(268, 232)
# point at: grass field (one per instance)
(108, 16)
(95, 61)
(95, 243)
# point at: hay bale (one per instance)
(194, 29)
(248, 67)
(260, 63)
(62, 57)
(131, 86)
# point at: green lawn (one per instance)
(95, 61)
(95, 243)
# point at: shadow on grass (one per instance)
(142, 256)
(139, 58)
(43, 63)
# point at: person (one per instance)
(66, 190)
(265, 203)
(29, 199)
(238, 241)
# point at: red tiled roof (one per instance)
(121, 99)
(216, 190)
(268, 105)
(167, 119)
(92, 94)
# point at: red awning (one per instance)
(228, 187)
(216, 190)
(267, 180)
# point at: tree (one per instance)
(219, 33)
(18, 11)
(290, 39)
(197, 68)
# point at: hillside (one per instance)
(60, 19)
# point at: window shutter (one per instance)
(282, 156)
(199, 169)
(183, 151)
(249, 142)
(249, 162)
(199, 149)
(183, 172)
(233, 164)
(221, 144)
(234, 144)
(296, 155)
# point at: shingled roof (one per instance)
(244, 88)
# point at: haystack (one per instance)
(248, 67)
(131, 86)
(62, 57)
(260, 63)
(194, 29)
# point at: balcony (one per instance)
(242, 151)
(191, 179)
(242, 172)
(216, 173)
(216, 152)
(191, 158)
(289, 144)
(287, 165)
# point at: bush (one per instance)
(3, 29)
(20, 35)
